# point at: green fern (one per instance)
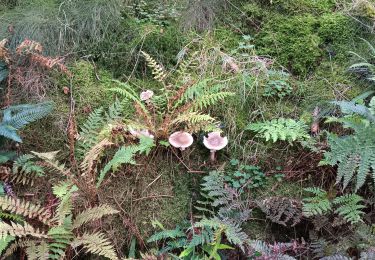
(16, 117)
(350, 207)
(25, 170)
(207, 100)
(318, 204)
(125, 155)
(4, 243)
(354, 155)
(280, 129)
(232, 231)
(97, 123)
(166, 234)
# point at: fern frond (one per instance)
(64, 207)
(18, 230)
(89, 131)
(124, 155)
(61, 239)
(16, 117)
(166, 234)
(281, 210)
(280, 129)
(38, 252)
(126, 92)
(157, 70)
(52, 163)
(13, 247)
(208, 100)
(25, 208)
(350, 208)
(25, 170)
(193, 118)
(96, 243)
(5, 242)
(354, 155)
(92, 155)
(92, 214)
(316, 205)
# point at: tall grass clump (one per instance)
(61, 26)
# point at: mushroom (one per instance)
(214, 142)
(139, 133)
(146, 95)
(181, 140)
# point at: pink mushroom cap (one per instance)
(139, 133)
(146, 95)
(181, 140)
(214, 141)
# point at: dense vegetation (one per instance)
(187, 129)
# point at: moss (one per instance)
(293, 41)
(302, 6)
(89, 91)
(227, 39)
(337, 31)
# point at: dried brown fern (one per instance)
(18, 230)
(282, 210)
(26, 209)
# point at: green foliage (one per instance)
(241, 176)
(365, 66)
(200, 241)
(301, 6)
(350, 207)
(299, 40)
(97, 127)
(337, 31)
(158, 14)
(280, 129)
(354, 154)
(319, 204)
(278, 88)
(17, 117)
(25, 170)
(125, 155)
(347, 206)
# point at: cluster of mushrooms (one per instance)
(214, 141)
(182, 140)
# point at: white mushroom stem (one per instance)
(213, 155)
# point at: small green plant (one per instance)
(240, 176)
(281, 129)
(159, 14)
(199, 241)
(277, 88)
